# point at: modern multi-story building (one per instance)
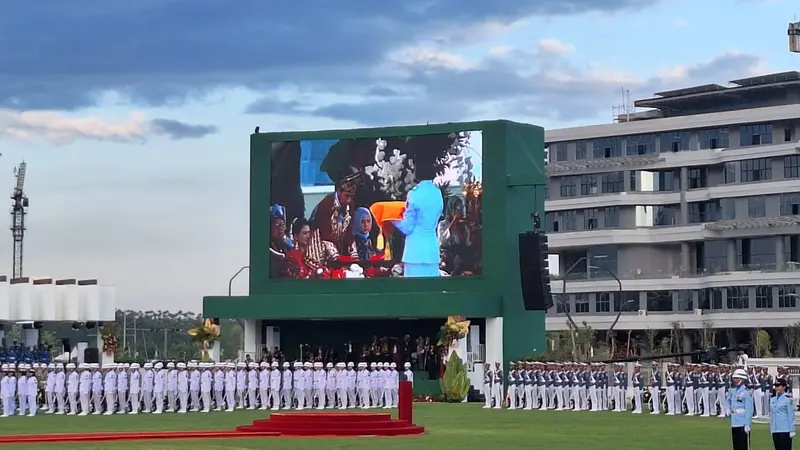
(688, 212)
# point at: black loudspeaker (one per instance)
(67, 347)
(534, 271)
(91, 355)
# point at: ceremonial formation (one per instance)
(690, 389)
(162, 387)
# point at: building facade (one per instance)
(686, 213)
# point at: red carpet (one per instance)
(333, 424)
(142, 436)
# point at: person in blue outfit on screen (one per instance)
(424, 207)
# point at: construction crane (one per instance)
(19, 210)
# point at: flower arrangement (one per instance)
(205, 334)
(394, 174)
(454, 329)
(110, 340)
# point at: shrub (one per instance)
(455, 383)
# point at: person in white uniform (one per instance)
(331, 374)
(351, 385)
(172, 387)
(230, 387)
(287, 384)
(183, 388)
(110, 388)
(363, 386)
(194, 385)
(338, 384)
(60, 391)
(263, 386)
(318, 382)
(148, 385)
(8, 389)
(274, 386)
(135, 386)
(73, 381)
(84, 388)
(159, 380)
(308, 383)
(122, 388)
(206, 385)
(49, 389)
(220, 375)
(252, 386)
(241, 385)
(22, 388)
(97, 388)
(32, 390)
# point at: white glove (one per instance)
(791, 435)
(747, 429)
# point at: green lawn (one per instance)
(449, 427)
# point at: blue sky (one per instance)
(134, 117)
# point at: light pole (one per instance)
(230, 288)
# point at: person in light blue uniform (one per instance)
(781, 417)
(741, 411)
(424, 207)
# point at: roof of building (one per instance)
(740, 92)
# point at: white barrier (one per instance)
(48, 300)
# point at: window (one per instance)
(699, 212)
(666, 215)
(628, 302)
(590, 219)
(667, 181)
(568, 188)
(561, 152)
(640, 145)
(569, 220)
(790, 204)
(729, 172)
(756, 254)
(713, 139)
(580, 150)
(756, 135)
(551, 222)
(756, 207)
(659, 301)
(787, 297)
(607, 148)
(685, 300)
(588, 185)
(727, 208)
(791, 166)
(714, 256)
(756, 169)
(710, 298)
(602, 259)
(787, 133)
(698, 178)
(562, 307)
(676, 141)
(613, 182)
(738, 297)
(547, 192)
(603, 302)
(632, 180)
(581, 303)
(764, 297)
(611, 216)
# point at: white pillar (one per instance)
(494, 341)
(30, 337)
(214, 352)
(251, 337)
(272, 338)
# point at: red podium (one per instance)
(405, 402)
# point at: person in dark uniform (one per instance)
(741, 411)
(781, 417)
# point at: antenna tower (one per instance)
(19, 209)
(622, 113)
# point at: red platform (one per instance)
(119, 437)
(333, 424)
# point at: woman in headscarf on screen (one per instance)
(363, 248)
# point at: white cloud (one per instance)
(61, 129)
(554, 47)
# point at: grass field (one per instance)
(449, 427)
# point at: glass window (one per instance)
(729, 172)
(561, 152)
(790, 204)
(764, 297)
(632, 181)
(611, 216)
(738, 297)
(727, 208)
(698, 178)
(756, 169)
(713, 138)
(629, 301)
(710, 298)
(760, 134)
(590, 221)
(613, 182)
(675, 141)
(640, 145)
(603, 302)
(551, 221)
(756, 207)
(602, 259)
(581, 303)
(685, 300)
(714, 256)
(791, 166)
(588, 185)
(568, 188)
(668, 181)
(607, 148)
(659, 301)
(569, 220)
(666, 215)
(563, 307)
(580, 150)
(787, 297)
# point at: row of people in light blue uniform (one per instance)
(83, 389)
(692, 389)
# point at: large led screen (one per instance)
(407, 206)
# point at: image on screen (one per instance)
(403, 207)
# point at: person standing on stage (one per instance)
(741, 411)
(781, 417)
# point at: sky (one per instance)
(134, 117)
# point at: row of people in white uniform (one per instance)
(691, 389)
(181, 387)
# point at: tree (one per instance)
(762, 343)
(792, 336)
